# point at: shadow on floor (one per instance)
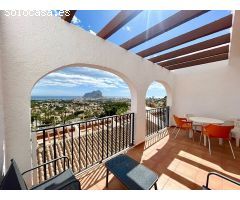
(180, 163)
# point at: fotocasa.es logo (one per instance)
(40, 13)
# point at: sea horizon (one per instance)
(42, 97)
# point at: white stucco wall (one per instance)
(212, 89)
(209, 90)
(1, 120)
(34, 46)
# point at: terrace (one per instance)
(197, 64)
(180, 164)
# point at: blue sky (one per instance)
(77, 81)
(94, 21)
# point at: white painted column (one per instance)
(18, 143)
(138, 107)
(2, 133)
(234, 55)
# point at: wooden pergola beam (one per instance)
(224, 39)
(219, 25)
(117, 22)
(70, 16)
(199, 61)
(200, 55)
(162, 27)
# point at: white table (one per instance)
(204, 121)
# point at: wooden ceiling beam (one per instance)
(216, 26)
(122, 18)
(195, 56)
(162, 27)
(68, 18)
(224, 39)
(206, 60)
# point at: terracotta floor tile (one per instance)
(180, 164)
(226, 185)
(174, 185)
(163, 179)
(186, 170)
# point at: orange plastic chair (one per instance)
(182, 123)
(218, 131)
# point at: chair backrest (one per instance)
(188, 116)
(237, 123)
(178, 121)
(13, 179)
(228, 123)
(218, 131)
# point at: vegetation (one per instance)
(114, 108)
(54, 112)
(156, 102)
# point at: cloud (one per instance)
(127, 28)
(76, 20)
(89, 72)
(156, 85)
(69, 78)
(54, 83)
(92, 32)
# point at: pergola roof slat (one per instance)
(117, 22)
(162, 27)
(69, 17)
(193, 48)
(201, 61)
(203, 54)
(221, 24)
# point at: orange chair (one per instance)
(182, 123)
(218, 131)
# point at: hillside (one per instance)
(93, 95)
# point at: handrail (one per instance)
(46, 163)
(157, 119)
(75, 123)
(157, 108)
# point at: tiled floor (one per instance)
(180, 164)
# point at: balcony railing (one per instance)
(84, 143)
(157, 119)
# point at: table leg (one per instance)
(107, 178)
(220, 141)
(237, 142)
(204, 140)
(155, 186)
(204, 137)
(190, 134)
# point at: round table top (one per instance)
(206, 120)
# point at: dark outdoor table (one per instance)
(131, 173)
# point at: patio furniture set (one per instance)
(209, 128)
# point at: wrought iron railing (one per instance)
(156, 119)
(84, 143)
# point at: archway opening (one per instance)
(157, 110)
(82, 113)
(77, 94)
(156, 96)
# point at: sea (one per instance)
(44, 98)
(54, 97)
